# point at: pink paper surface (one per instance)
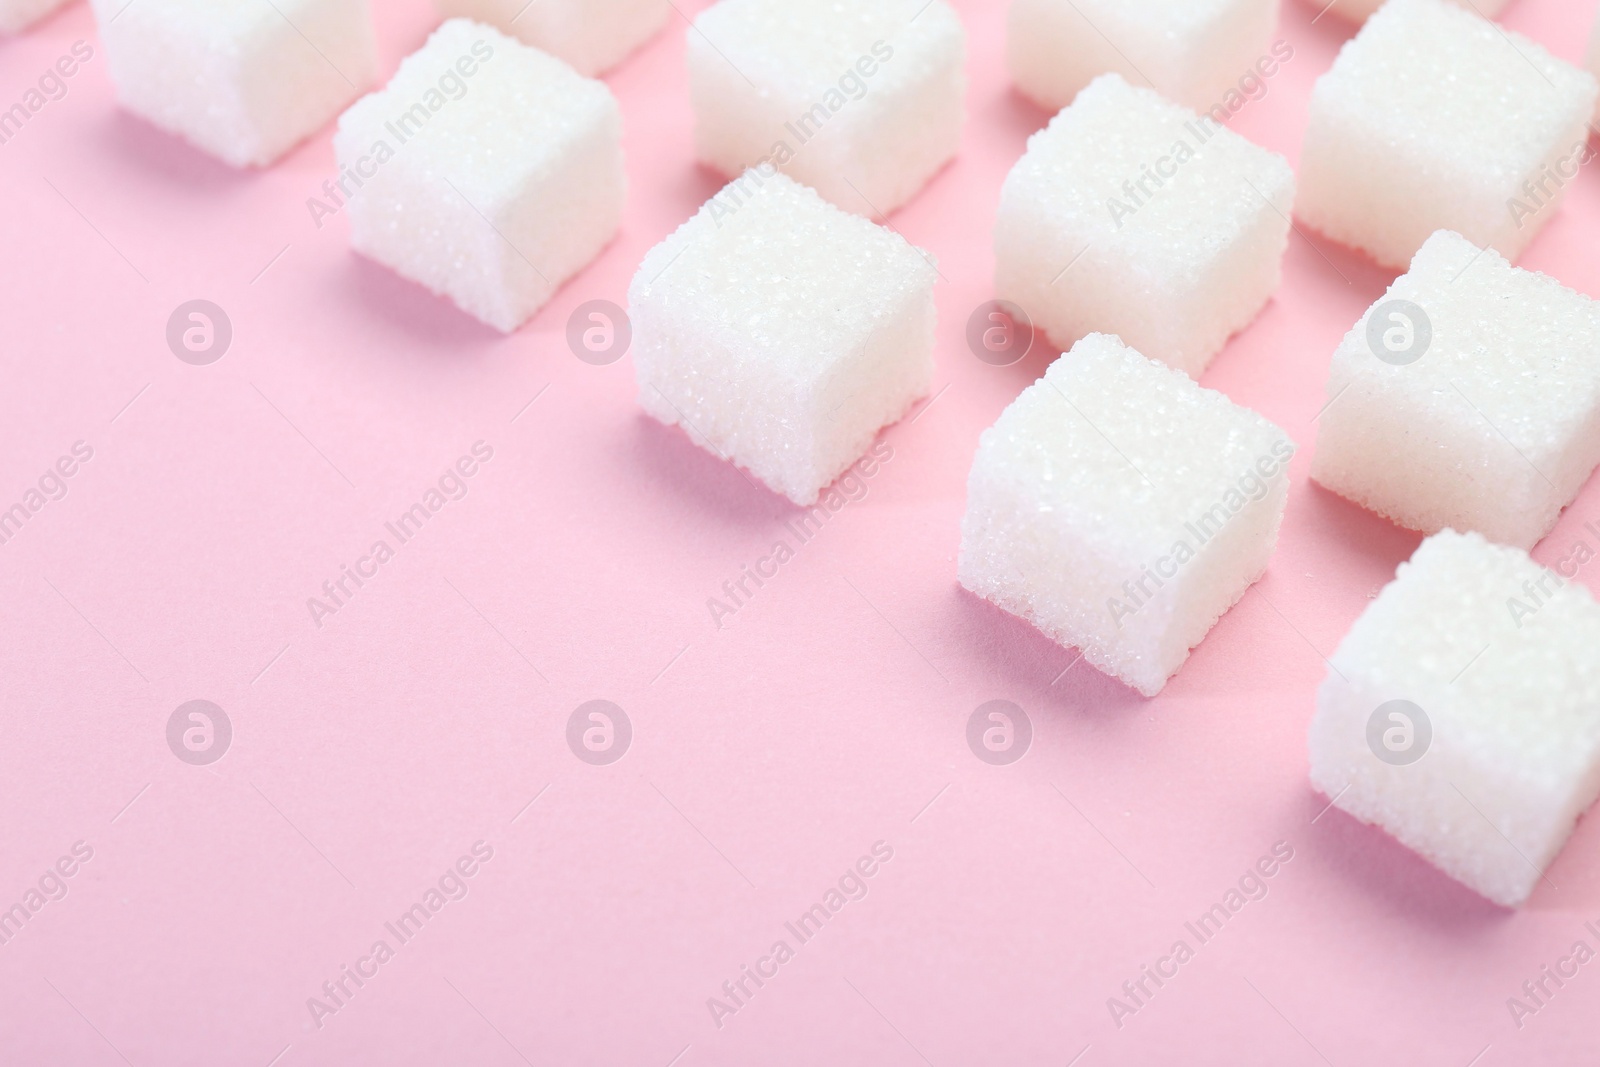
(828, 714)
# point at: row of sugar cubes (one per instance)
(247, 80)
(592, 35)
(863, 103)
(493, 182)
(490, 168)
(1116, 504)
(1120, 507)
(1462, 711)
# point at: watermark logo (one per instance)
(199, 332)
(453, 84)
(50, 87)
(851, 488)
(1536, 594)
(1251, 487)
(1399, 332)
(451, 486)
(999, 333)
(1251, 887)
(1399, 733)
(52, 486)
(1539, 991)
(452, 885)
(599, 332)
(1153, 176)
(851, 886)
(999, 733)
(599, 732)
(1545, 188)
(199, 733)
(853, 85)
(51, 887)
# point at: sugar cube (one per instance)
(486, 170)
(1192, 51)
(1468, 396)
(18, 15)
(1462, 713)
(1361, 10)
(782, 332)
(862, 101)
(1433, 118)
(591, 35)
(1131, 215)
(1123, 509)
(243, 80)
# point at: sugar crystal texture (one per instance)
(1123, 509)
(781, 332)
(486, 170)
(1361, 10)
(243, 80)
(1131, 215)
(1434, 118)
(18, 15)
(1192, 51)
(863, 100)
(591, 35)
(1496, 751)
(1468, 397)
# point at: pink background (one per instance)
(828, 714)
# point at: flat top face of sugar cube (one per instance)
(1520, 689)
(1128, 450)
(1516, 345)
(770, 271)
(486, 131)
(1437, 81)
(804, 46)
(1083, 171)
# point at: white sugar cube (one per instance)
(1191, 51)
(862, 101)
(1361, 10)
(591, 35)
(486, 170)
(18, 15)
(243, 80)
(1433, 118)
(781, 332)
(1122, 509)
(1131, 215)
(1462, 713)
(1467, 397)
